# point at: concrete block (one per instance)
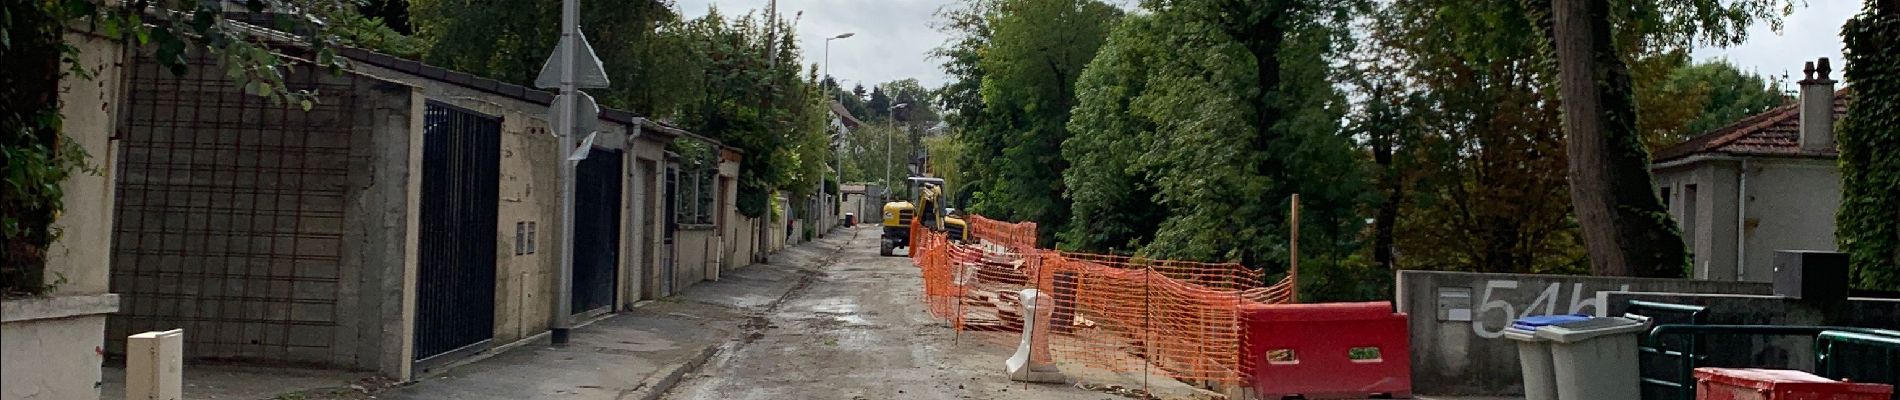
(155, 366)
(1032, 362)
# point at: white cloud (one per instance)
(894, 37)
(1812, 32)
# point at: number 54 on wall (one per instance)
(1496, 308)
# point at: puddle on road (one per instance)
(841, 309)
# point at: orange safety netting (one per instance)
(1119, 313)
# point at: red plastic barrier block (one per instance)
(1327, 351)
(1779, 384)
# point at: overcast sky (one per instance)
(894, 37)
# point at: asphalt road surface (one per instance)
(858, 330)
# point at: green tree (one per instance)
(1222, 110)
(1730, 94)
(510, 40)
(1625, 227)
(1486, 190)
(1870, 148)
(1037, 50)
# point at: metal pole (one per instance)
(891, 114)
(821, 180)
(563, 318)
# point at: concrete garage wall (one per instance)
(694, 248)
(1793, 352)
(1457, 320)
(530, 188)
(248, 223)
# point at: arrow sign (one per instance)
(588, 71)
(587, 146)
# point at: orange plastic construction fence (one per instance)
(1177, 318)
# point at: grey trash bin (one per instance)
(1595, 359)
(1533, 354)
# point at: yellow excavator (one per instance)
(925, 210)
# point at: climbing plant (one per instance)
(35, 154)
(1870, 148)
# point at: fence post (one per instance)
(1294, 247)
(155, 365)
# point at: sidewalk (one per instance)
(636, 354)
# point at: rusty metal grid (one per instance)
(230, 213)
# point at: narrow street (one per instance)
(859, 330)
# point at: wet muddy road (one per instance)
(858, 330)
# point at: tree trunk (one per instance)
(1625, 228)
(1385, 223)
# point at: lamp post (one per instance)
(887, 145)
(834, 153)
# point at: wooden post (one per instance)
(155, 366)
(1294, 249)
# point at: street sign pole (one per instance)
(563, 314)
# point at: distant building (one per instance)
(1767, 182)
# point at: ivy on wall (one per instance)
(1868, 224)
(35, 154)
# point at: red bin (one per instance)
(1780, 384)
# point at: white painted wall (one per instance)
(1790, 205)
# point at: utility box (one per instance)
(1811, 275)
(1778, 384)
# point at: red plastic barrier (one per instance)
(1309, 350)
(1772, 384)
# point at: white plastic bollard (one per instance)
(155, 365)
(1032, 362)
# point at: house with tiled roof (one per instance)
(1764, 183)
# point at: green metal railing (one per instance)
(1664, 383)
(1858, 356)
(1828, 360)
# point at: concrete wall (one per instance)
(650, 220)
(1789, 352)
(1701, 198)
(49, 345)
(530, 193)
(1457, 320)
(1790, 205)
(249, 223)
(642, 218)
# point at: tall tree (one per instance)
(1870, 148)
(880, 104)
(1729, 94)
(1625, 227)
(640, 42)
(1216, 112)
(1037, 51)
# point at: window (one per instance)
(695, 197)
(531, 239)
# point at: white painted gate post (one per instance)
(155, 365)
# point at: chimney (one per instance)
(1817, 107)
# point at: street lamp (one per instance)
(835, 154)
(887, 145)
